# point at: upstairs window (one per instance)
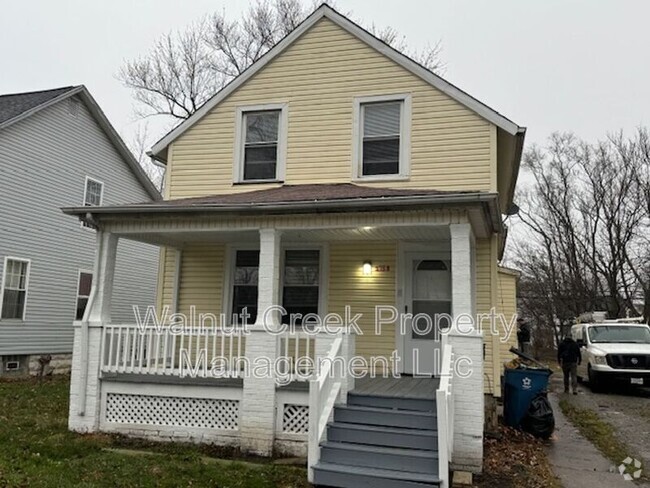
(262, 144)
(83, 293)
(15, 279)
(93, 192)
(383, 137)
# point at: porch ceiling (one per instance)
(364, 233)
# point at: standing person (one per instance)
(568, 356)
(523, 336)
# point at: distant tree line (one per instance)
(586, 210)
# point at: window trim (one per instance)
(240, 140)
(4, 281)
(405, 138)
(76, 301)
(94, 180)
(83, 225)
(229, 272)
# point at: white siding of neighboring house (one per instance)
(44, 160)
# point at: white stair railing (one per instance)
(329, 387)
(445, 413)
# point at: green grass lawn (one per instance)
(36, 449)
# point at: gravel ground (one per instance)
(627, 410)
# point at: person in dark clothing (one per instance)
(568, 356)
(523, 337)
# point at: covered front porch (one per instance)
(184, 369)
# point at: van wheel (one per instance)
(595, 384)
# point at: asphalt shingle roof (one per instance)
(17, 103)
(305, 193)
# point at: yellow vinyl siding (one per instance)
(484, 303)
(348, 286)
(202, 278)
(319, 76)
(166, 278)
(508, 307)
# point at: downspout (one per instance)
(85, 322)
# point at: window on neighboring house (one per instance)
(93, 192)
(15, 279)
(244, 293)
(261, 145)
(300, 291)
(83, 293)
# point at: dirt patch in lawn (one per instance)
(515, 459)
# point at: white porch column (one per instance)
(257, 411)
(467, 343)
(86, 356)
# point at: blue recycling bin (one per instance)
(520, 387)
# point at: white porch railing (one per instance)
(298, 350)
(129, 348)
(445, 412)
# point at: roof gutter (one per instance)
(488, 201)
(520, 136)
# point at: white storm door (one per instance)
(427, 297)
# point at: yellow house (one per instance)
(336, 201)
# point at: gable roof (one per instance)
(159, 150)
(18, 106)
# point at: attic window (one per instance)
(383, 140)
(262, 144)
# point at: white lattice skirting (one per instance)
(202, 413)
(295, 419)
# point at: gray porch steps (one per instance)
(385, 417)
(342, 476)
(411, 460)
(380, 442)
(397, 403)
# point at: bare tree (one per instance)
(139, 144)
(587, 212)
(186, 68)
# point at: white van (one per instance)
(613, 352)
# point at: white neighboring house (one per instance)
(57, 148)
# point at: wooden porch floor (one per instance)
(402, 387)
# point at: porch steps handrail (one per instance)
(324, 391)
(445, 415)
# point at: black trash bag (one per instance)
(539, 419)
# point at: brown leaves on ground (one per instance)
(515, 459)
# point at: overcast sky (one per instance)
(547, 64)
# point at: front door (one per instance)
(427, 293)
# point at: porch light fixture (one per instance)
(367, 268)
